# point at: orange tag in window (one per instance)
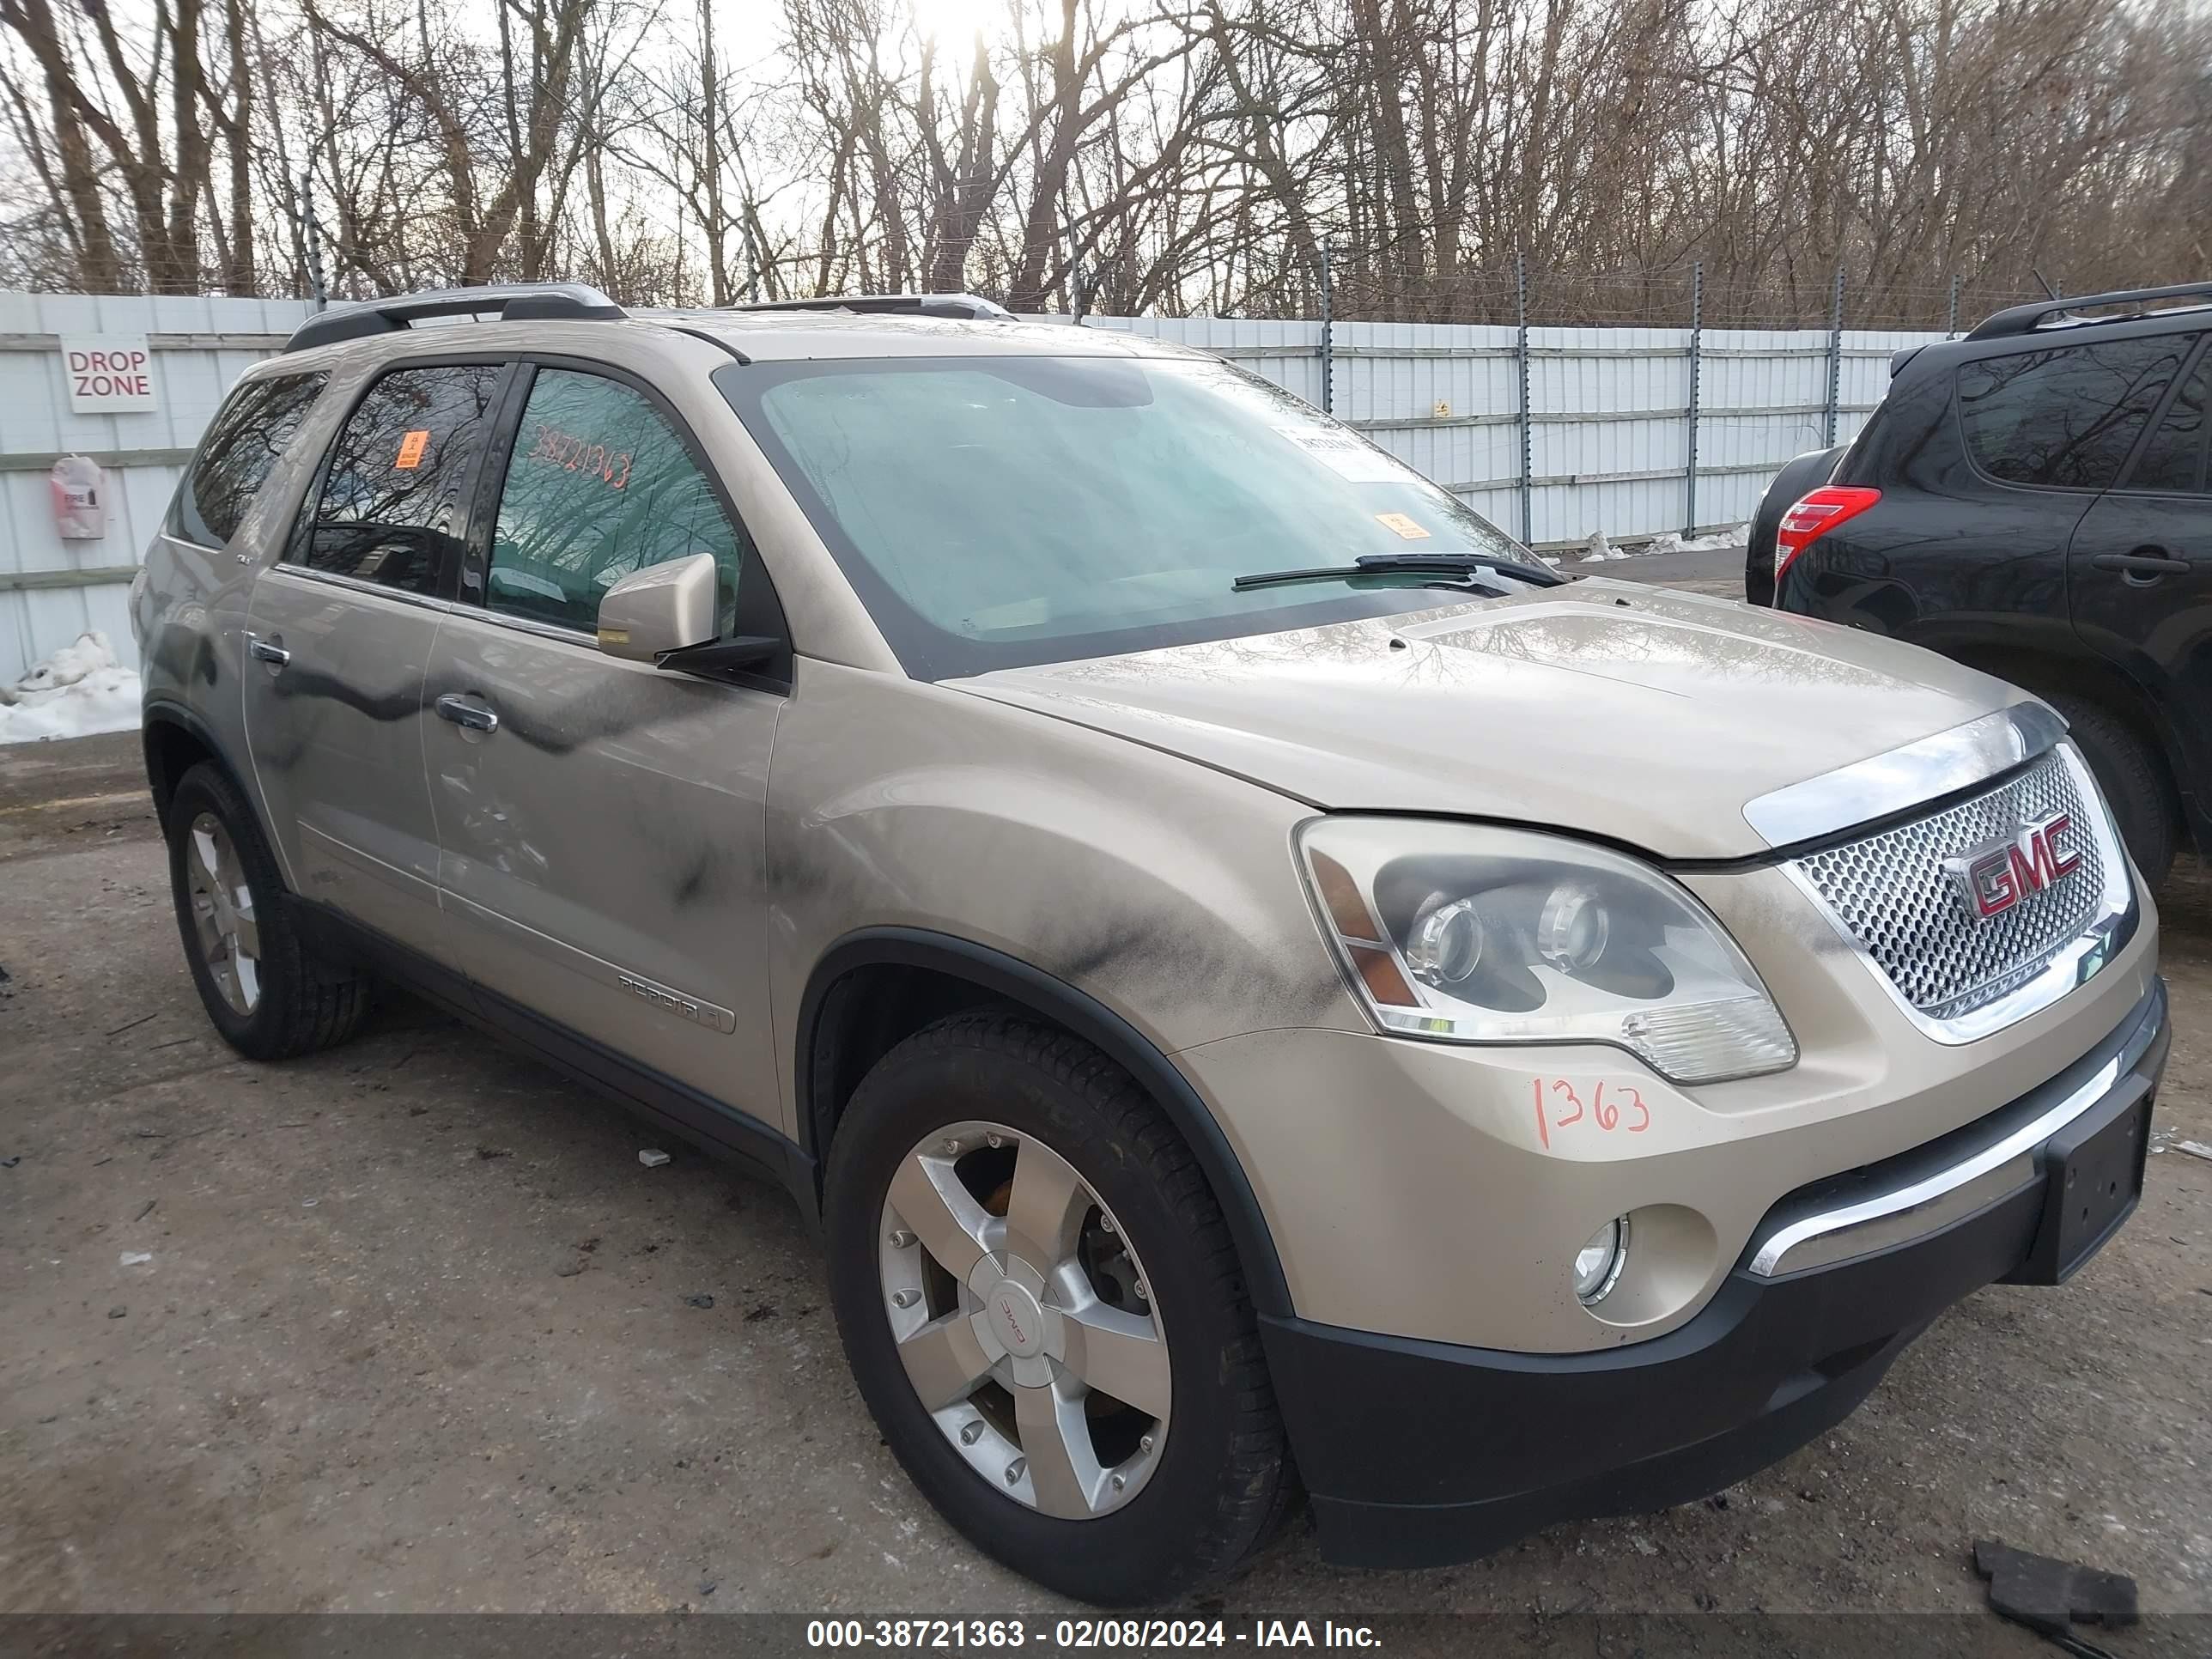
(1403, 525)
(412, 445)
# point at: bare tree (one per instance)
(1170, 154)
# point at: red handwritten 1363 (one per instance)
(567, 451)
(1559, 1107)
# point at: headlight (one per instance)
(1466, 934)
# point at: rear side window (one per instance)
(247, 437)
(2174, 459)
(600, 485)
(2066, 417)
(393, 509)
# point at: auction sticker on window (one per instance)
(410, 450)
(1401, 524)
(1346, 455)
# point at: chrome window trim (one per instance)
(543, 630)
(430, 602)
(2073, 964)
(1923, 1206)
(1919, 771)
(355, 584)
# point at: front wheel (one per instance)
(1044, 1310)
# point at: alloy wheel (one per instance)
(222, 913)
(1025, 1321)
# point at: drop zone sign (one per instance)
(108, 374)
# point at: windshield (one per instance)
(997, 512)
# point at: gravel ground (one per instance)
(417, 1333)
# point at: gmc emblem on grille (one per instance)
(1998, 874)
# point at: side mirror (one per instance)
(660, 608)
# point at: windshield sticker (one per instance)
(1346, 456)
(1403, 525)
(410, 450)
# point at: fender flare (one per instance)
(166, 711)
(1030, 987)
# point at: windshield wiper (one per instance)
(1466, 568)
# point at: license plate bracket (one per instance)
(2092, 1178)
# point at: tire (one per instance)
(281, 1000)
(1220, 1479)
(2134, 778)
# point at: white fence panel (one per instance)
(1608, 428)
(52, 590)
(1606, 434)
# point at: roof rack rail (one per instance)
(972, 306)
(514, 302)
(2026, 320)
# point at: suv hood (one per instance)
(1637, 715)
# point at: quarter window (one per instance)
(2065, 417)
(394, 510)
(2174, 459)
(600, 485)
(245, 442)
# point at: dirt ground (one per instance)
(418, 1333)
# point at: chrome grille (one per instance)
(1891, 892)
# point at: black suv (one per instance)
(2032, 501)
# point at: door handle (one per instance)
(266, 651)
(473, 716)
(2148, 562)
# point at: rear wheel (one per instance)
(265, 989)
(1042, 1304)
(2134, 779)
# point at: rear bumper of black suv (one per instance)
(1423, 1454)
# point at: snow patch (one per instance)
(80, 689)
(1734, 536)
(1598, 549)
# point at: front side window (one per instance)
(993, 512)
(2172, 461)
(2065, 417)
(599, 485)
(394, 510)
(244, 443)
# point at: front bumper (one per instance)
(1421, 1454)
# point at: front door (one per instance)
(602, 822)
(2140, 570)
(341, 633)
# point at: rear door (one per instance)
(2141, 564)
(602, 821)
(2052, 428)
(340, 633)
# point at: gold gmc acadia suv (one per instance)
(1268, 990)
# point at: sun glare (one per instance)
(953, 23)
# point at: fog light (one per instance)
(1598, 1263)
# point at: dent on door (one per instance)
(602, 850)
(333, 698)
